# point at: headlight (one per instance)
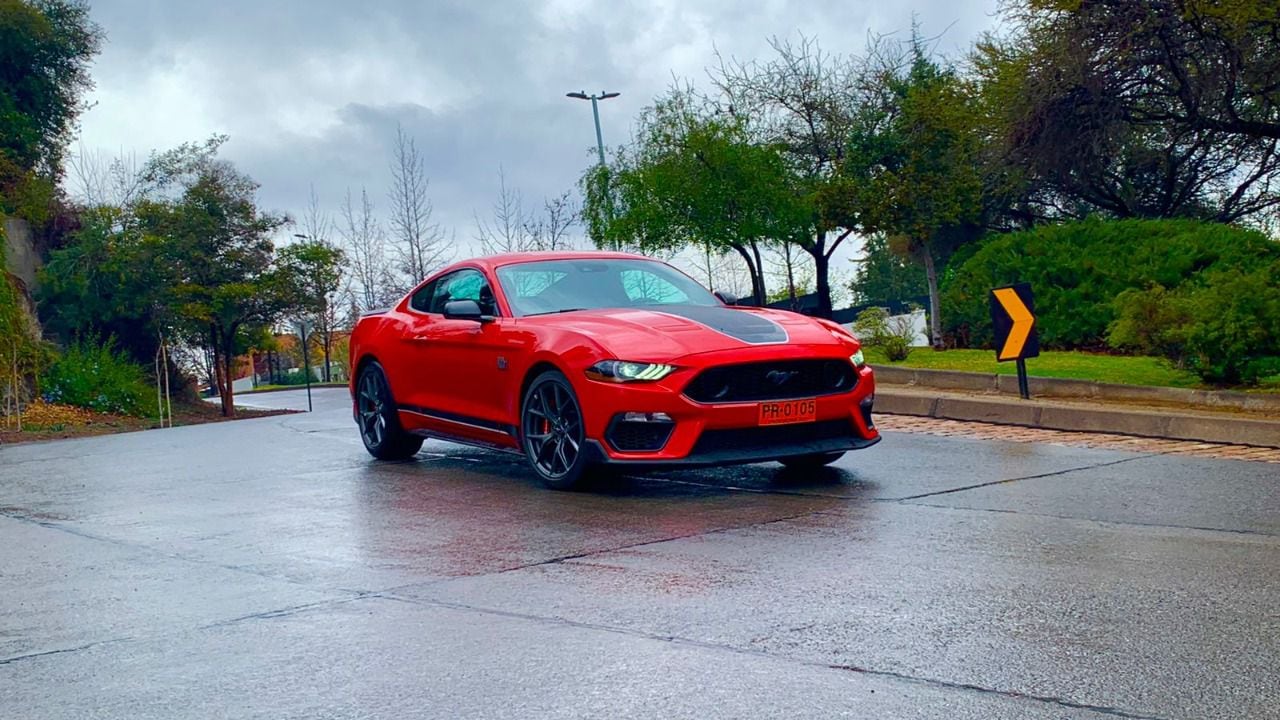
(857, 360)
(622, 371)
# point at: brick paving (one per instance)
(988, 431)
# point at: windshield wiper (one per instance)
(555, 312)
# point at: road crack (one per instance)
(1015, 479)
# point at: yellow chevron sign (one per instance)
(1013, 317)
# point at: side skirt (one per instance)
(496, 429)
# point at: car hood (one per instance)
(678, 330)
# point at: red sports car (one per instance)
(585, 359)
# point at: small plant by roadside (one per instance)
(99, 377)
(893, 336)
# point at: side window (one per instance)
(421, 300)
(463, 285)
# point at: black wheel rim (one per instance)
(373, 422)
(552, 429)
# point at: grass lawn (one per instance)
(1075, 365)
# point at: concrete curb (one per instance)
(1056, 387)
(1051, 416)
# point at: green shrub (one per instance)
(288, 378)
(875, 329)
(1223, 326)
(99, 377)
(1078, 269)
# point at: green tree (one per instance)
(105, 282)
(803, 102)
(885, 276)
(1166, 108)
(915, 169)
(45, 50)
(316, 268)
(223, 281)
(694, 177)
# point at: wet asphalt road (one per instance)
(268, 568)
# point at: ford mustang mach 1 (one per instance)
(583, 360)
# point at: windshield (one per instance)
(552, 286)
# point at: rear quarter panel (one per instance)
(372, 339)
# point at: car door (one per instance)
(457, 365)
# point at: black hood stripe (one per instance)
(737, 324)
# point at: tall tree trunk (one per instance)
(219, 370)
(328, 346)
(762, 292)
(935, 298)
(211, 365)
(757, 283)
(791, 277)
(228, 397)
(821, 268)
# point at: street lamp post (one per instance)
(595, 112)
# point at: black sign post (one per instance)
(306, 360)
(1013, 316)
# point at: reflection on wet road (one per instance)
(269, 568)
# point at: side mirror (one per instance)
(726, 297)
(465, 310)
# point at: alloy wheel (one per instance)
(552, 429)
(370, 405)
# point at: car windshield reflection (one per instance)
(558, 286)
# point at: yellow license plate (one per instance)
(785, 412)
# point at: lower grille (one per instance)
(715, 442)
(638, 436)
(781, 380)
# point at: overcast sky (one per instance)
(311, 91)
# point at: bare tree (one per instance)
(805, 101)
(372, 281)
(789, 266)
(550, 231)
(420, 244)
(315, 223)
(99, 180)
(319, 228)
(509, 230)
(720, 271)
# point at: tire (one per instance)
(551, 431)
(811, 462)
(376, 417)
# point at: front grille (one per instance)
(780, 380)
(782, 437)
(638, 436)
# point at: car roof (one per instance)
(497, 261)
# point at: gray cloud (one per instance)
(311, 92)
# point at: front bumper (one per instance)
(723, 434)
(596, 454)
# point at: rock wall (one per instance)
(22, 262)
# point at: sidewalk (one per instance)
(1154, 420)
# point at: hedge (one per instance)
(1078, 269)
